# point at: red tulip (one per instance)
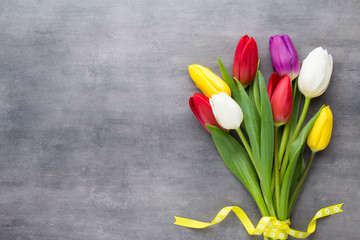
(201, 108)
(245, 60)
(281, 98)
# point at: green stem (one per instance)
(268, 200)
(258, 197)
(276, 170)
(301, 119)
(299, 186)
(248, 149)
(284, 140)
(294, 136)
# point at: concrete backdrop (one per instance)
(96, 137)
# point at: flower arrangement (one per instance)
(267, 158)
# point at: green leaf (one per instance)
(251, 123)
(295, 150)
(302, 166)
(254, 94)
(298, 172)
(267, 143)
(251, 92)
(295, 191)
(255, 89)
(230, 82)
(237, 160)
(234, 155)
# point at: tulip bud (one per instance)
(320, 133)
(284, 57)
(315, 73)
(226, 111)
(281, 98)
(201, 108)
(245, 60)
(207, 81)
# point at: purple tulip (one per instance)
(284, 57)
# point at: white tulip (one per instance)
(226, 111)
(315, 73)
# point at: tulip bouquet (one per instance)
(267, 155)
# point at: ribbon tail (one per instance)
(324, 212)
(185, 222)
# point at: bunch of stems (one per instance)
(284, 137)
(276, 152)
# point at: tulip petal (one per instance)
(237, 57)
(320, 134)
(273, 82)
(282, 101)
(207, 81)
(226, 111)
(280, 55)
(315, 73)
(326, 81)
(295, 63)
(249, 61)
(201, 108)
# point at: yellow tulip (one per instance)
(207, 81)
(320, 134)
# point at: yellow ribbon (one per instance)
(268, 226)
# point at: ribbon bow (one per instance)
(267, 226)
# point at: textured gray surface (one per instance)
(96, 137)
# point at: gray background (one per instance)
(96, 137)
